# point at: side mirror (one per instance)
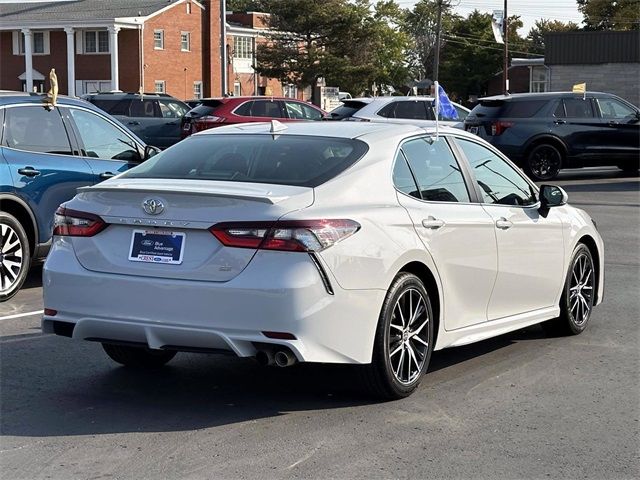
(150, 151)
(551, 196)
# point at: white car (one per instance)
(357, 243)
(414, 110)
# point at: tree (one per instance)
(247, 5)
(471, 56)
(349, 43)
(542, 27)
(421, 25)
(610, 14)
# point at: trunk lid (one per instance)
(190, 207)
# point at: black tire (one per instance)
(573, 318)
(381, 377)
(138, 357)
(544, 162)
(15, 256)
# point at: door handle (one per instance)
(559, 122)
(133, 123)
(613, 123)
(29, 172)
(433, 223)
(503, 224)
(171, 123)
(106, 175)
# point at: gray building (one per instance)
(606, 61)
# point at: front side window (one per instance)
(171, 109)
(613, 109)
(185, 41)
(36, 129)
(498, 181)
(102, 139)
(158, 39)
(255, 159)
(436, 170)
(96, 41)
(144, 108)
(409, 109)
(578, 108)
(301, 111)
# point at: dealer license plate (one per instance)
(154, 246)
(474, 130)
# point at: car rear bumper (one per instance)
(277, 292)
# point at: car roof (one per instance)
(361, 130)
(518, 96)
(10, 98)
(126, 94)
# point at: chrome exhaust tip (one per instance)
(284, 358)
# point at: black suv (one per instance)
(154, 117)
(544, 132)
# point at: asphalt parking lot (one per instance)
(518, 406)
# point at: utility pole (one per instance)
(436, 57)
(223, 47)
(505, 26)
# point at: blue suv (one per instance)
(45, 155)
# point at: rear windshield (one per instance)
(284, 160)
(346, 110)
(200, 111)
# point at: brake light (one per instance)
(498, 128)
(289, 236)
(206, 122)
(73, 223)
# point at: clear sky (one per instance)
(529, 10)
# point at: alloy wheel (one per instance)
(581, 289)
(545, 162)
(408, 336)
(11, 257)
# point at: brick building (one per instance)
(171, 46)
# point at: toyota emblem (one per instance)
(153, 206)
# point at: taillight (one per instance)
(290, 236)
(498, 128)
(73, 223)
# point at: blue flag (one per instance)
(447, 110)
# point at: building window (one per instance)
(159, 86)
(39, 43)
(185, 41)
(96, 41)
(243, 47)
(538, 78)
(197, 90)
(290, 91)
(237, 89)
(188, 8)
(158, 39)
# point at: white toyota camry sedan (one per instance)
(336, 242)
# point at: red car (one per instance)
(215, 112)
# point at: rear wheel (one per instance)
(139, 357)
(544, 162)
(577, 297)
(15, 256)
(404, 340)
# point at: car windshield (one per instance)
(306, 161)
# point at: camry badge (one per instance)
(153, 206)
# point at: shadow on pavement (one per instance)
(34, 279)
(604, 187)
(72, 389)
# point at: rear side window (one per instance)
(346, 110)
(260, 108)
(402, 177)
(284, 160)
(578, 108)
(113, 107)
(36, 129)
(522, 108)
(411, 109)
(436, 170)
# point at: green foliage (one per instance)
(247, 5)
(542, 27)
(610, 14)
(352, 44)
(472, 56)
